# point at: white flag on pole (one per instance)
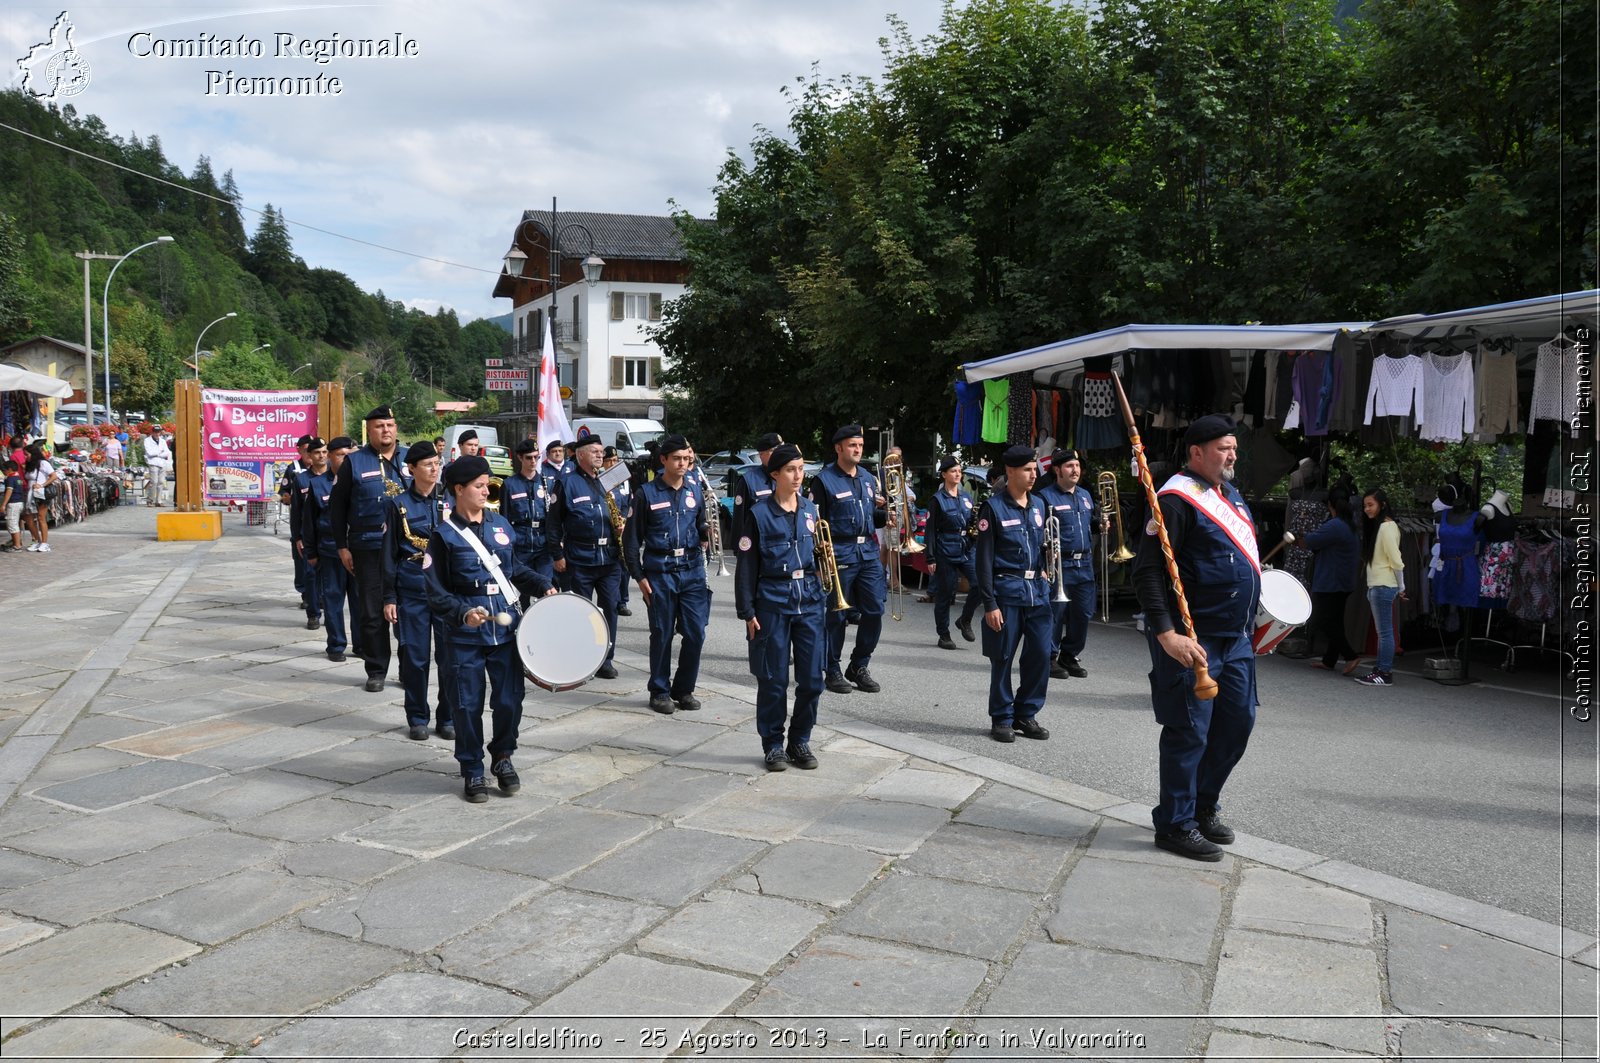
(553, 423)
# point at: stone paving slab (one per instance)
(312, 820)
(94, 729)
(735, 751)
(126, 785)
(269, 748)
(771, 808)
(360, 760)
(884, 826)
(423, 906)
(242, 796)
(733, 931)
(20, 869)
(667, 867)
(1156, 911)
(549, 941)
(112, 834)
(1115, 840)
(65, 969)
(238, 991)
(668, 736)
(573, 774)
(340, 861)
(78, 764)
(1276, 901)
(555, 842)
(1225, 1044)
(22, 814)
(1026, 862)
(105, 1038)
(1026, 813)
(938, 914)
(1263, 975)
(1463, 1040)
(663, 791)
(187, 738)
(579, 730)
(816, 871)
(213, 912)
(15, 933)
(440, 825)
(938, 789)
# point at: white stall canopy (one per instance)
(14, 379)
(1526, 319)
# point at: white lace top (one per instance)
(1555, 383)
(1451, 405)
(1396, 388)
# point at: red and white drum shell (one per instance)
(1284, 606)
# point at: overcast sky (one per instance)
(612, 105)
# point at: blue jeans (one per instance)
(1382, 601)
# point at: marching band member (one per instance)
(291, 493)
(413, 515)
(1016, 599)
(583, 539)
(472, 577)
(373, 473)
(663, 552)
(334, 582)
(752, 482)
(1213, 541)
(848, 500)
(622, 495)
(949, 517)
(523, 502)
(1080, 520)
(778, 596)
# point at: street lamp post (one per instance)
(88, 338)
(516, 261)
(197, 339)
(105, 315)
(263, 347)
(297, 369)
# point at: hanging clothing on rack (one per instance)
(1497, 392)
(1456, 583)
(1535, 586)
(1396, 388)
(1450, 406)
(1555, 382)
(995, 416)
(1316, 383)
(968, 428)
(1019, 432)
(1100, 427)
(1346, 412)
(1255, 389)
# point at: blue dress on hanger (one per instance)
(1457, 582)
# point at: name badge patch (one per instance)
(660, 505)
(374, 472)
(580, 498)
(1011, 523)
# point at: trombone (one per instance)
(828, 566)
(893, 474)
(1110, 505)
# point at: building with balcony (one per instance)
(603, 351)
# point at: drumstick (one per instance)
(503, 619)
(1288, 537)
(1205, 688)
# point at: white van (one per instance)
(628, 434)
(486, 436)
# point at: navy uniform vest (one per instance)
(368, 499)
(319, 488)
(586, 534)
(1075, 511)
(462, 574)
(948, 520)
(1221, 586)
(786, 579)
(848, 503)
(422, 516)
(670, 521)
(523, 503)
(1018, 538)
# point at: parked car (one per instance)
(499, 459)
(717, 466)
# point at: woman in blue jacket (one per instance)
(1334, 579)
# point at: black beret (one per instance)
(848, 431)
(1205, 429)
(948, 462)
(420, 451)
(587, 439)
(465, 470)
(526, 446)
(467, 436)
(302, 441)
(341, 443)
(781, 455)
(1061, 455)
(769, 441)
(672, 444)
(610, 452)
(553, 445)
(379, 413)
(1018, 456)
(314, 443)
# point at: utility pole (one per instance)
(88, 338)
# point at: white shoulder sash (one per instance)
(1235, 525)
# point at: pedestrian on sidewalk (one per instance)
(1213, 542)
(13, 498)
(42, 488)
(158, 459)
(471, 559)
(781, 601)
(1380, 549)
(1337, 550)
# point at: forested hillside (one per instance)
(54, 203)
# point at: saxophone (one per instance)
(419, 543)
(617, 521)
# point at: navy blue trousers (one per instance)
(602, 585)
(946, 578)
(1027, 626)
(414, 628)
(866, 587)
(1201, 741)
(1070, 632)
(680, 602)
(477, 664)
(337, 590)
(784, 637)
(305, 584)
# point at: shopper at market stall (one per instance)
(1380, 549)
(41, 477)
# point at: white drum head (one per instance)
(562, 641)
(1283, 598)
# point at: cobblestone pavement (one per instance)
(214, 843)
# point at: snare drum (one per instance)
(562, 641)
(1284, 606)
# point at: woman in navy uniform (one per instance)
(412, 517)
(779, 598)
(583, 541)
(523, 502)
(335, 583)
(1213, 541)
(847, 498)
(663, 551)
(1016, 599)
(950, 513)
(464, 595)
(1080, 519)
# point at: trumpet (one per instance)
(1052, 560)
(496, 485)
(828, 566)
(1110, 506)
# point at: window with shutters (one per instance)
(632, 372)
(575, 336)
(636, 306)
(537, 325)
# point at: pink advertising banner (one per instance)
(247, 436)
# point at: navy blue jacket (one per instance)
(1010, 563)
(457, 581)
(947, 525)
(579, 528)
(524, 503)
(666, 529)
(1221, 586)
(402, 560)
(777, 559)
(1077, 513)
(360, 498)
(1338, 551)
(849, 505)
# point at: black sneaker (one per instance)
(799, 754)
(838, 683)
(965, 627)
(688, 703)
(1214, 829)
(336, 656)
(375, 685)
(1001, 731)
(662, 704)
(1030, 728)
(1188, 843)
(507, 776)
(1056, 671)
(777, 759)
(945, 643)
(446, 731)
(313, 622)
(1074, 669)
(477, 791)
(623, 610)
(862, 678)
(418, 732)
(607, 671)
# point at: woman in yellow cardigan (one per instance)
(1380, 548)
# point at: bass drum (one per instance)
(562, 641)
(1284, 606)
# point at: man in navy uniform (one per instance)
(950, 514)
(663, 551)
(413, 514)
(847, 498)
(334, 582)
(467, 445)
(779, 598)
(554, 464)
(293, 491)
(583, 541)
(1081, 520)
(523, 500)
(752, 483)
(1016, 599)
(372, 474)
(466, 594)
(1213, 540)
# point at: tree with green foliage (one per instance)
(237, 367)
(16, 297)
